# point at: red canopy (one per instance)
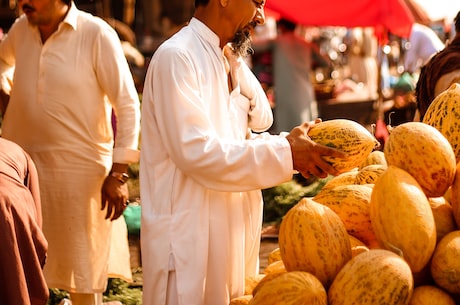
(392, 15)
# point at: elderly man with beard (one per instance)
(205, 158)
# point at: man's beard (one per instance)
(241, 42)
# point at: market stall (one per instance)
(384, 16)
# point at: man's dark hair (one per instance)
(286, 25)
(201, 3)
(67, 1)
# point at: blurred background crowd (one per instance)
(307, 71)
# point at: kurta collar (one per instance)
(72, 16)
(202, 30)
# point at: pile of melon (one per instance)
(385, 231)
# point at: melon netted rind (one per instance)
(401, 217)
(313, 238)
(374, 277)
(444, 115)
(352, 204)
(445, 265)
(345, 135)
(290, 288)
(422, 151)
(431, 294)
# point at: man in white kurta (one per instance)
(61, 99)
(200, 179)
(201, 171)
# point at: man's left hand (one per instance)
(114, 197)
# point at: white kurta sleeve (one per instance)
(189, 133)
(116, 79)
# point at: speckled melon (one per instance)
(242, 300)
(275, 267)
(444, 114)
(370, 173)
(348, 136)
(313, 238)
(345, 178)
(422, 151)
(401, 217)
(251, 282)
(274, 255)
(375, 277)
(352, 204)
(430, 295)
(357, 246)
(455, 196)
(445, 263)
(375, 157)
(443, 216)
(290, 288)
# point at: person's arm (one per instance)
(177, 100)
(116, 80)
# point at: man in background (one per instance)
(69, 72)
(292, 64)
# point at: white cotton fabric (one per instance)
(60, 113)
(201, 173)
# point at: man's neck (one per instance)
(46, 30)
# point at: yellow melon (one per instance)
(454, 196)
(430, 295)
(422, 151)
(370, 173)
(375, 157)
(357, 246)
(352, 204)
(443, 216)
(242, 300)
(345, 178)
(275, 267)
(267, 278)
(401, 217)
(313, 238)
(291, 288)
(444, 115)
(251, 282)
(445, 263)
(375, 277)
(345, 135)
(274, 255)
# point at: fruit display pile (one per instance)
(386, 230)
